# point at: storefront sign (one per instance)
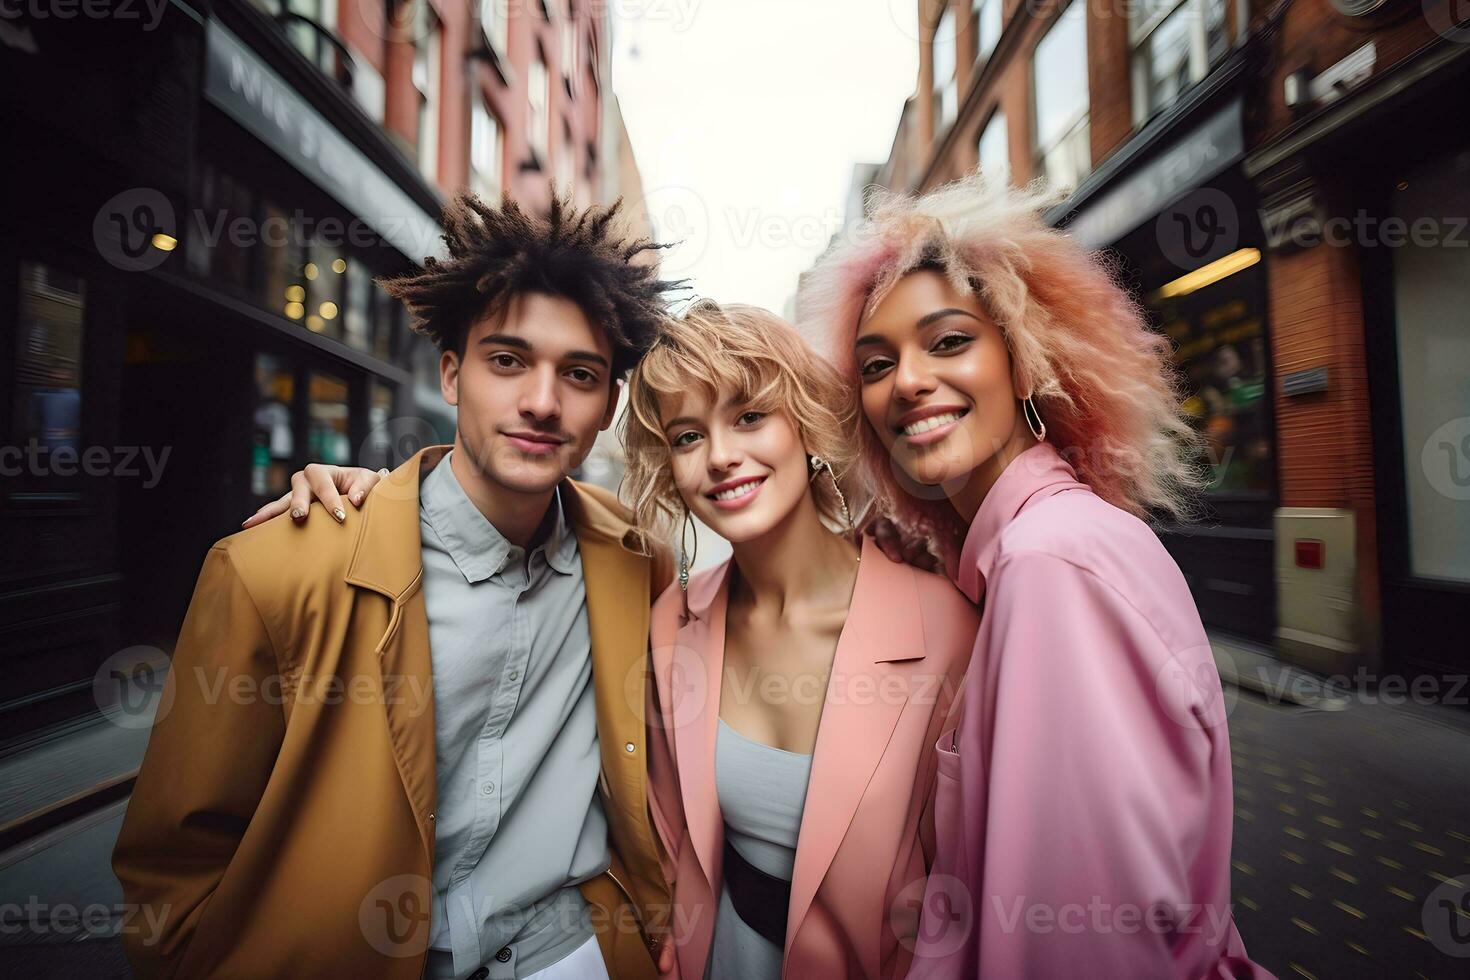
(1194, 159)
(250, 91)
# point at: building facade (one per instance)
(201, 196)
(1258, 170)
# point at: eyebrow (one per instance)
(922, 322)
(520, 343)
(681, 420)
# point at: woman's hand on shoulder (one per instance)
(324, 482)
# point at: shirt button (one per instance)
(631, 747)
(504, 955)
(480, 974)
(515, 675)
(488, 788)
(431, 818)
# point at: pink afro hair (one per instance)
(1101, 379)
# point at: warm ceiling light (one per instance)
(315, 323)
(339, 265)
(165, 243)
(310, 270)
(294, 310)
(328, 310)
(295, 293)
(1206, 275)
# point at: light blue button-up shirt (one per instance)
(519, 821)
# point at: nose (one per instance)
(724, 452)
(911, 378)
(539, 398)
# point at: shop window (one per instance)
(1059, 73)
(378, 451)
(357, 305)
(328, 414)
(274, 449)
(1216, 326)
(324, 273)
(48, 364)
(214, 246)
(1174, 43)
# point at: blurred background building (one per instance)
(1250, 164)
(199, 200)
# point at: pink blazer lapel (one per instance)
(697, 661)
(884, 626)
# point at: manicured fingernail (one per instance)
(357, 497)
(298, 513)
(340, 514)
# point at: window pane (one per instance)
(275, 441)
(1165, 56)
(324, 275)
(327, 417)
(357, 306)
(378, 451)
(48, 358)
(988, 26)
(1061, 98)
(995, 153)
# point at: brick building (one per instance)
(187, 248)
(1258, 168)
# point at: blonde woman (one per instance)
(1022, 417)
(799, 686)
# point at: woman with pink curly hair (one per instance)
(1023, 419)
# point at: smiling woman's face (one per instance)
(937, 384)
(739, 470)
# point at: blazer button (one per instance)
(504, 955)
(631, 747)
(480, 974)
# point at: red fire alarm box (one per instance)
(1310, 552)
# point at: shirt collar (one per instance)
(1040, 468)
(477, 548)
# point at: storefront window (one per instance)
(275, 444)
(48, 359)
(1220, 348)
(327, 436)
(357, 306)
(324, 272)
(215, 248)
(377, 452)
(1431, 296)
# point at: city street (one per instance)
(1350, 825)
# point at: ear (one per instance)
(449, 377)
(613, 397)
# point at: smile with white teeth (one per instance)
(932, 422)
(739, 491)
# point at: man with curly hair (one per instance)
(413, 746)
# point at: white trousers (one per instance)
(583, 963)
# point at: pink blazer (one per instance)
(1084, 805)
(860, 860)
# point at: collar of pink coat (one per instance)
(1039, 468)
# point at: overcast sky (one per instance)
(747, 116)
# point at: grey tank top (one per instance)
(762, 791)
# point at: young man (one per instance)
(410, 749)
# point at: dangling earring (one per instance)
(685, 559)
(817, 464)
(1037, 427)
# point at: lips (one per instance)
(922, 420)
(536, 443)
(735, 489)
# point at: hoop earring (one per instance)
(817, 465)
(1028, 410)
(685, 559)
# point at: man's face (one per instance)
(533, 390)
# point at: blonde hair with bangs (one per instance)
(758, 359)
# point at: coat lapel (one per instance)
(696, 670)
(884, 626)
(388, 560)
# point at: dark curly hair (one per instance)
(496, 253)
